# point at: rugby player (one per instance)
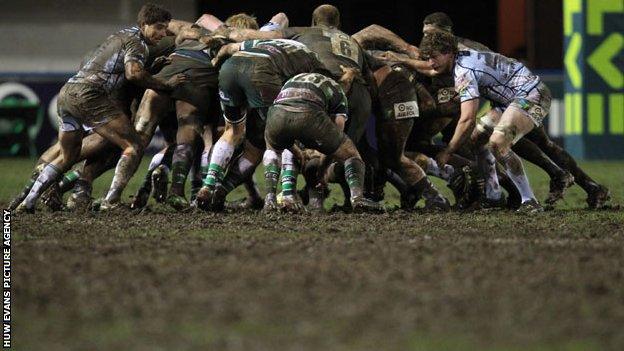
(312, 108)
(506, 82)
(84, 102)
(249, 81)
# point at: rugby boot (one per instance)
(558, 186)
(464, 188)
(52, 198)
(22, 208)
(80, 198)
(361, 204)
(217, 203)
(21, 196)
(204, 197)
(530, 207)
(178, 202)
(316, 197)
(500, 203)
(105, 205)
(409, 200)
(437, 204)
(290, 204)
(159, 183)
(140, 199)
(270, 203)
(598, 197)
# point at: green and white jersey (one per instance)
(290, 57)
(313, 91)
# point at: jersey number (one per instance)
(342, 46)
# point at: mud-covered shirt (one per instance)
(196, 50)
(289, 57)
(333, 47)
(493, 76)
(105, 69)
(467, 44)
(313, 91)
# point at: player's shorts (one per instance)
(313, 129)
(397, 98)
(202, 84)
(536, 103)
(248, 81)
(82, 106)
(254, 129)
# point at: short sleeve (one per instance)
(136, 50)
(338, 103)
(466, 83)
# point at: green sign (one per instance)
(594, 83)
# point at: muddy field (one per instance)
(398, 281)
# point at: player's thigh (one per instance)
(512, 126)
(119, 131)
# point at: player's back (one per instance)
(333, 47)
(498, 77)
(311, 91)
(290, 57)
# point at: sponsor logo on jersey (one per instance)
(405, 110)
(223, 96)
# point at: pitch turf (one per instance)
(399, 281)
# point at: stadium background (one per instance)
(574, 45)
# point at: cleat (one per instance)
(437, 204)
(500, 203)
(204, 197)
(52, 198)
(408, 200)
(106, 206)
(598, 198)
(270, 203)
(179, 203)
(290, 204)
(22, 208)
(140, 199)
(80, 198)
(530, 207)
(364, 205)
(558, 187)
(316, 197)
(218, 199)
(21, 196)
(159, 183)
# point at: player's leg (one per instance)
(514, 124)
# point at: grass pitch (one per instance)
(399, 281)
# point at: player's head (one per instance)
(153, 21)
(437, 22)
(242, 21)
(439, 49)
(326, 15)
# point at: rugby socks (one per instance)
(125, 169)
(68, 181)
(48, 175)
(221, 155)
(354, 171)
(26, 190)
(289, 174)
(271, 162)
(181, 164)
(487, 163)
(515, 171)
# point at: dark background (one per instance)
(476, 21)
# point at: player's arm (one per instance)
(209, 22)
(465, 126)
(278, 21)
(375, 35)
(225, 51)
(137, 74)
(176, 26)
(419, 65)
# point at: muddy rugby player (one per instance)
(243, 95)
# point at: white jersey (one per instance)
(492, 76)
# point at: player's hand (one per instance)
(159, 63)
(443, 157)
(224, 52)
(177, 80)
(390, 57)
(412, 52)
